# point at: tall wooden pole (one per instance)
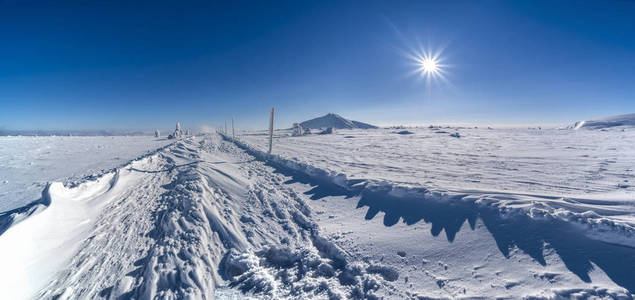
(271, 130)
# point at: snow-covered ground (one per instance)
(27, 163)
(621, 121)
(355, 214)
(584, 176)
(518, 161)
(537, 192)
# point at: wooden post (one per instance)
(233, 137)
(270, 130)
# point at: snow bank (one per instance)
(29, 163)
(38, 239)
(607, 122)
(37, 246)
(535, 206)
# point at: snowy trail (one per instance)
(205, 218)
(195, 216)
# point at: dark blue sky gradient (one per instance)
(144, 65)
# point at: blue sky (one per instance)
(118, 65)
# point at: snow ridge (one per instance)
(528, 222)
(606, 122)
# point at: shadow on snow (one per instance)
(8, 218)
(576, 250)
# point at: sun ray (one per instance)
(428, 65)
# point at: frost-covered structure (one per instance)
(157, 133)
(329, 130)
(178, 133)
(299, 130)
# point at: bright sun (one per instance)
(429, 65)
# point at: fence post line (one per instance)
(270, 130)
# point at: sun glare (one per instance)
(428, 65)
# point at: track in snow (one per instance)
(179, 223)
(204, 218)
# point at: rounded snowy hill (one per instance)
(612, 121)
(336, 121)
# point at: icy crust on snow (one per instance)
(280, 272)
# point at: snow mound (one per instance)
(607, 122)
(336, 121)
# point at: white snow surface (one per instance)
(27, 163)
(583, 177)
(333, 217)
(627, 120)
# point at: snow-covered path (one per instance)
(205, 218)
(199, 214)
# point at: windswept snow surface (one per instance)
(627, 120)
(27, 163)
(558, 170)
(569, 190)
(207, 217)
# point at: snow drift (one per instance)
(607, 122)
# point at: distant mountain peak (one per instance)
(336, 121)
